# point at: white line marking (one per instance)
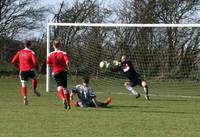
(155, 95)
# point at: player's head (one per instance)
(123, 58)
(27, 44)
(56, 43)
(85, 80)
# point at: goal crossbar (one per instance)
(121, 25)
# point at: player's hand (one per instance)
(71, 97)
(116, 63)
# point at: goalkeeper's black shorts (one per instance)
(136, 81)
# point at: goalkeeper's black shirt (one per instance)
(128, 69)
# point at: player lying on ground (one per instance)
(86, 96)
(26, 61)
(59, 61)
(134, 79)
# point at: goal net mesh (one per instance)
(157, 53)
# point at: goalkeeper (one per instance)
(86, 96)
(134, 78)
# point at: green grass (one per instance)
(163, 116)
(7, 66)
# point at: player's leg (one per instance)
(32, 75)
(24, 79)
(60, 92)
(75, 104)
(146, 90)
(66, 92)
(67, 97)
(58, 79)
(107, 101)
(130, 88)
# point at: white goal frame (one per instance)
(102, 25)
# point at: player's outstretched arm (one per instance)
(71, 96)
(116, 66)
(73, 92)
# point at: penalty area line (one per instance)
(155, 95)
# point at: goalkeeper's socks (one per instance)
(132, 90)
(146, 91)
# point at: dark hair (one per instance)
(86, 79)
(27, 43)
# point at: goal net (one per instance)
(159, 52)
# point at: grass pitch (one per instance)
(173, 111)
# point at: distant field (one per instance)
(172, 112)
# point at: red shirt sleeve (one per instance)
(49, 60)
(66, 58)
(15, 60)
(34, 59)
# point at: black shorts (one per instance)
(61, 79)
(25, 75)
(90, 104)
(136, 81)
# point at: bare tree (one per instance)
(85, 43)
(146, 44)
(178, 38)
(19, 15)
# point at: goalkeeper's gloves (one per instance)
(116, 63)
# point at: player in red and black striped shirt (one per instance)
(59, 61)
(26, 61)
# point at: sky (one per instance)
(54, 4)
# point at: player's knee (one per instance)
(144, 83)
(59, 88)
(24, 83)
(126, 84)
(34, 80)
(65, 90)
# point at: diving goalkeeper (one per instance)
(87, 97)
(134, 79)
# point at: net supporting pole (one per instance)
(47, 67)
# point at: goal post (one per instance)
(49, 25)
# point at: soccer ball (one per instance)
(102, 64)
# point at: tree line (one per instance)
(161, 52)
